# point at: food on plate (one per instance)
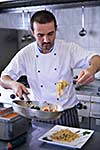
(60, 87)
(64, 135)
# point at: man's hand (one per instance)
(19, 89)
(85, 77)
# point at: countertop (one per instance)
(38, 129)
(90, 89)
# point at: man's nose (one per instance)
(46, 39)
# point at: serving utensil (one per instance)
(83, 31)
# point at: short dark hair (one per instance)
(42, 17)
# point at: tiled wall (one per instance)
(8, 46)
(69, 25)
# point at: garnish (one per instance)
(86, 132)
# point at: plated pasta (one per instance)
(64, 135)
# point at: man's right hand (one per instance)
(18, 88)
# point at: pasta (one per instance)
(64, 135)
(49, 107)
(60, 86)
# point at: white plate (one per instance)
(77, 143)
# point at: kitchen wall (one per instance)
(8, 46)
(69, 25)
(11, 41)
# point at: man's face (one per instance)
(45, 35)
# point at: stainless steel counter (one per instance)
(89, 112)
(90, 89)
(39, 129)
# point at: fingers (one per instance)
(85, 80)
(19, 89)
(85, 77)
(80, 75)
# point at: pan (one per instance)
(40, 110)
(37, 109)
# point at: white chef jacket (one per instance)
(43, 71)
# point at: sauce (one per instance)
(11, 115)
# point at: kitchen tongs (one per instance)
(27, 99)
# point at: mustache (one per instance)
(46, 43)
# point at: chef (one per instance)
(47, 61)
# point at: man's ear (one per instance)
(32, 32)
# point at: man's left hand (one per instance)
(85, 77)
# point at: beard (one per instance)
(46, 46)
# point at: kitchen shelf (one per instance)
(11, 5)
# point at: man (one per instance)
(47, 61)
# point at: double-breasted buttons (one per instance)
(37, 56)
(38, 71)
(55, 69)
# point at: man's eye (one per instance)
(50, 34)
(40, 35)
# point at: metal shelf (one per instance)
(4, 6)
